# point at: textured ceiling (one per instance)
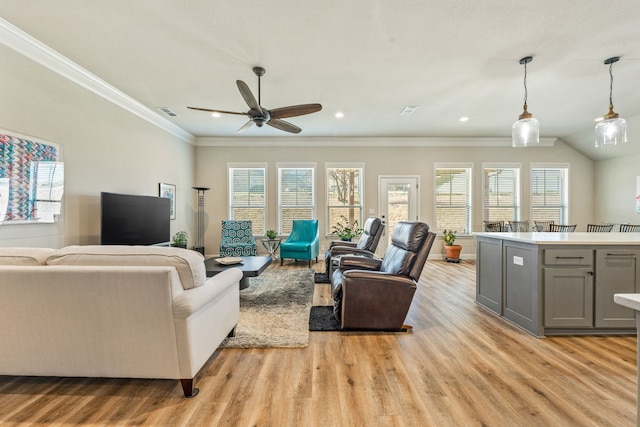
(367, 59)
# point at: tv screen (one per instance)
(134, 220)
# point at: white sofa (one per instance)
(113, 311)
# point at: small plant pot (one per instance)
(453, 253)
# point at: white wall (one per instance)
(105, 148)
(397, 158)
(615, 186)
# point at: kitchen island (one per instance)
(559, 283)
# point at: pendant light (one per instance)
(526, 131)
(611, 130)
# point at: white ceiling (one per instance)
(368, 59)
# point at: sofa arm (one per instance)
(190, 301)
(355, 262)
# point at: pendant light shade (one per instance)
(526, 131)
(611, 130)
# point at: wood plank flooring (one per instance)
(459, 366)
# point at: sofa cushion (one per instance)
(188, 263)
(24, 256)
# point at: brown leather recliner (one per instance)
(372, 293)
(366, 245)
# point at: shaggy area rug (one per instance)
(274, 311)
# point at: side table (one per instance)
(271, 245)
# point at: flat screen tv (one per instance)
(134, 220)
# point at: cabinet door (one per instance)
(617, 271)
(489, 274)
(568, 297)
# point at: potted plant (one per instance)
(346, 231)
(271, 234)
(451, 249)
(179, 239)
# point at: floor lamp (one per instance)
(199, 246)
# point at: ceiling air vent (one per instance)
(168, 111)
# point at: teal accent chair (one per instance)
(237, 239)
(303, 242)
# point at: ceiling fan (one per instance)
(260, 116)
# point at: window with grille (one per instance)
(344, 195)
(550, 193)
(453, 197)
(247, 196)
(501, 193)
(296, 195)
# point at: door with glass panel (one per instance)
(398, 201)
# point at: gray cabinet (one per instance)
(489, 274)
(568, 297)
(617, 271)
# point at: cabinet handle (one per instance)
(569, 257)
(590, 273)
(622, 255)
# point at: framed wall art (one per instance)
(169, 191)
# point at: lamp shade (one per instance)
(611, 132)
(525, 132)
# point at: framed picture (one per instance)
(169, 191)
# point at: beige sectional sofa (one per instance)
(112, 311)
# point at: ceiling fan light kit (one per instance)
(526, 131)
(611, 130)
(259, 115)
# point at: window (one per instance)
(247, 196)
(453, 197)
(344, 194)
(501, 193)
(296, 195)
(550, 193)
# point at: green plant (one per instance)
(180, 238)
(347, 231)
(271, 234)
(449, 237)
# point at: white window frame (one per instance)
(564, 205)
(283, 166)
(360, 188)
(234, 166)
(516, 206)
(469, 195)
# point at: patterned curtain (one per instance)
(16, 157)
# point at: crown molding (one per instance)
(28, 46)
(361, 142)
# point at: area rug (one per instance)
(274, 311)
(321, 319)
(320, 278)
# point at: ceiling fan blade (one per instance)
(285, 126)
(248, 96)
(245, 126)
(294, 110)
(217, 111)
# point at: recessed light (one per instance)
(216, 115)
(339, 115)
(463, 119)
(408, 110)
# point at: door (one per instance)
(398, 201)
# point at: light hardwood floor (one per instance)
(460, 366)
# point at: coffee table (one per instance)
(251, 266)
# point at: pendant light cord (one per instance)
(611, 84)
(525, 83)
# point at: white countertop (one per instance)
(628, 300)
(577, 238)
